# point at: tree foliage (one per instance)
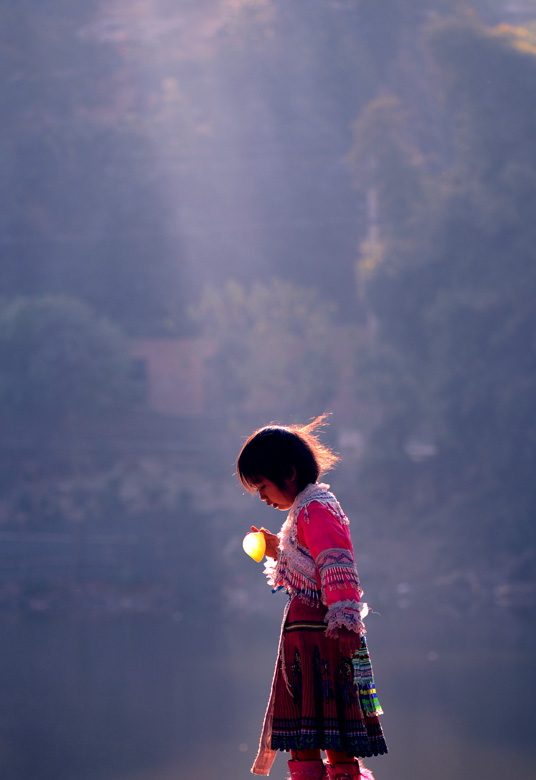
(58, 359)
(455, 305)
(275, 348)
(136, 138)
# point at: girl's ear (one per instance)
(293, 474)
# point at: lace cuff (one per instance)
(349, 614)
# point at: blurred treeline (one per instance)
(333, 193)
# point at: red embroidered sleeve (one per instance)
(328, 540)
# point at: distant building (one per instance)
(170, 374)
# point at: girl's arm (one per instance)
(328, 540)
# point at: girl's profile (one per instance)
(323, 695)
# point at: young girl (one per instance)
(323, 694)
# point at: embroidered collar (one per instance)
(316, 491)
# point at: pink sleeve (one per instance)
(328, 540)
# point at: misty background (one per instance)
(219, 213)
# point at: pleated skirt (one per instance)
(323, 699)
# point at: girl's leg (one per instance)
(343, 767)
(306, 765)
(339, 758)
(305, 755)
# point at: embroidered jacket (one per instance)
(316, 560)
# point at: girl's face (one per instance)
(272, 495)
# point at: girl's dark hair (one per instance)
(275, 450)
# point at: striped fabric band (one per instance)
(305, 626)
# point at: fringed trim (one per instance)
(349, 614)
(337, 568)
(294, 582)
(298, 558)
(293, 567)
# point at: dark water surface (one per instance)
(167, 698)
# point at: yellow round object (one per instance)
(255, 545)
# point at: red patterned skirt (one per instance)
(322, 698)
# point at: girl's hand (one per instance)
(349, 641)
(272, 542)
